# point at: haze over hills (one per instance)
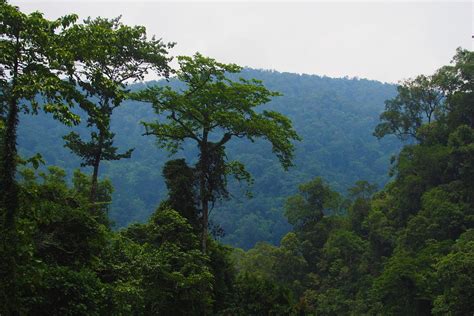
(334, 117)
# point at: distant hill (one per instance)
(335, 118)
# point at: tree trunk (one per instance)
(9, 197)
(95, 173)
(10, 201)
(9, 186)
(203, 191)
(9, 152)
(205, 221)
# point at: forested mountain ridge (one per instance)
(334, 117)
(407, 249)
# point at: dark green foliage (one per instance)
(60, 244)
(257, 296)
(181, 183)
(175, 276)
(454, 272)
(71, 263)
(314, 200)
(65, 291)
(223, 270)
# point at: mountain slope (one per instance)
(335, 118)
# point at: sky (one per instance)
(381, 40)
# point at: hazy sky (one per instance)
(386, 41)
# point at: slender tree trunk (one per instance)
(9, 198)
(9, 152)
(205, 221)
(203, 166)
(9, 186)
(204, 194)
(10, 205)
(204, 206)
(95, 173)
(98, 155)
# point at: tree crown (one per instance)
(212, 108)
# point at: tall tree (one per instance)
(30, 70)
(419, 101)
(457, 83)
(107, 55)
(211, 110)
(31, 65)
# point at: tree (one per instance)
(107, 55)
(30, 66)
(314, 200)
(361, 194)
(456, 82)
(454, 272)
(211, 110)
(362, 190)
(419, 101)
(30, 71)
(290, 265)
(59, 243)
(175, 275)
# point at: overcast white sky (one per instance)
(386, 41)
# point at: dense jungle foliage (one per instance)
(406, 248)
